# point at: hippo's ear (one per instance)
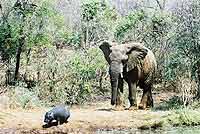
(105, 47)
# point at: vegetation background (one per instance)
(49, 49)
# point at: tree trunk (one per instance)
(28, 56)
(18, 57)
(198, 80)
(101, 82)
(87, 36)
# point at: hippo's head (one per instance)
(49, 116)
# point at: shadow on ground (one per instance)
(52, 124)
(106, 109)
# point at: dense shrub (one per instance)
(98, 20)
(128, 23)
(21, 97)
(74, 40)
(67, 76)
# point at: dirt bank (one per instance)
(84, 119)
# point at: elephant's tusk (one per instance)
(121, 74)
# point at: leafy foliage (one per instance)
(60, 76)
(187, 117)
(187, 34)
(74, 40)
(70, 81)
(91, 9)
(21, 97)
(184, 56)
(128, 23)
(97, 22)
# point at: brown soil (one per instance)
(89, 118)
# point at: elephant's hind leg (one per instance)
(147, 99)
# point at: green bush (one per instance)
(70, 78)
(187, 117)
(21, 97)
(97, 21)
(91, 9)
(128, 23)
(82, 69)
(175, 118)
(73, 40)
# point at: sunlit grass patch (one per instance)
(176, 118)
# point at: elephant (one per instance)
(135, 64)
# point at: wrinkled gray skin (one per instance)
(59, 113)
(133, 63)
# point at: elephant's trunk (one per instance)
(114, 84)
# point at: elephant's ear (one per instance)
(137, 49)
(105, 47)
(136, 53)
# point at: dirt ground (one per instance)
(90, 118)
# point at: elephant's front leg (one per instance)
(132, 96)
(119, 102)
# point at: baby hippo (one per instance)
(58, 113)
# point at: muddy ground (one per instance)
(94, 117)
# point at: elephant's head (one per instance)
(121, 57)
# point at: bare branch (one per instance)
(161, 5)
